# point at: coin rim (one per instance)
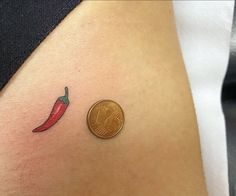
(95, 133)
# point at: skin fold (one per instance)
(126, 51)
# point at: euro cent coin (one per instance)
(105, 119)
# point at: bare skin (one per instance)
(126, 51)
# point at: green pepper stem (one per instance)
(64, 98)
(66, 91)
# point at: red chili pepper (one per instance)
(58, 110)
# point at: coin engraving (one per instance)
(105, 118)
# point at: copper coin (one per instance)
(105, 119)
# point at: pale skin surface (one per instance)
(125, 51)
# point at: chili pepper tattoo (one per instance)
(57, 112)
